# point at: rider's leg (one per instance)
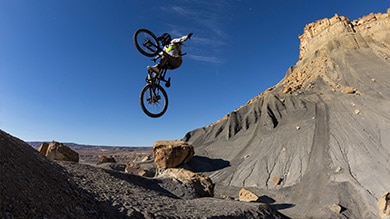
(154, 69)
(157, 68)
(175, 62)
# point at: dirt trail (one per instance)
(319, 159)
(317, 176)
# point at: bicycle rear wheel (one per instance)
(146, 42)
(154, 100)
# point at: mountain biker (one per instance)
(171, 57)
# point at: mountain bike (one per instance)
(153, 97)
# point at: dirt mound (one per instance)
(322, 130)
(34, 187)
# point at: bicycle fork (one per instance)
(154, 95)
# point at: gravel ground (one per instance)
(35, 187)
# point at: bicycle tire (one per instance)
(150, 98)
(142, 35)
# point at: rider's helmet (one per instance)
(166, 39)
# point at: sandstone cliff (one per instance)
(323, 130)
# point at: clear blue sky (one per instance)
(69, 70)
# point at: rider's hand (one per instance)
(189, 36)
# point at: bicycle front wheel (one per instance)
(154, 100)
(146, 42)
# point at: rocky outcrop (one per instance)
(201, 185)
(58, 151)
(316, 34)
(144, 168)
(43, 148)
(169, 154)
(319, 33)
(105, 159)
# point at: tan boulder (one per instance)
(43, 148)
(276, 180)
(170, 154)
(336, 208)
(134, 168)
(146, 158)
(145, 168)
(58, 151)
(384, 206)
(247, 196)
(349, 90)
(106, 159)
(202, 185)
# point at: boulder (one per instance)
(276, 180)
(134, 168)
(201, 185)
(384, 206)
(146, 168)
(336, 208)
(170, 154)
(247, 196)
(106, 159)
(58, 151)
(43, 148)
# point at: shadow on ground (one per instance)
(205, 164)
(271, 202)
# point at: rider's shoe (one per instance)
(149, 77)
(153, 69)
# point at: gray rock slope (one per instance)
(324, 130)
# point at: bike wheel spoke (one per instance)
(153, 101)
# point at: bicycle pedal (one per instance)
(168, 83)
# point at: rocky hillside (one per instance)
(320, 137)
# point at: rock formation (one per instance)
(168, 154)
(322, 130)
(201, 185)
(105, 159)
(144, 168)
(58, 151)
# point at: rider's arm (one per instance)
(181, 39)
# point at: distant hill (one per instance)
(91, 153)
(320, 137)
(80, 148)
